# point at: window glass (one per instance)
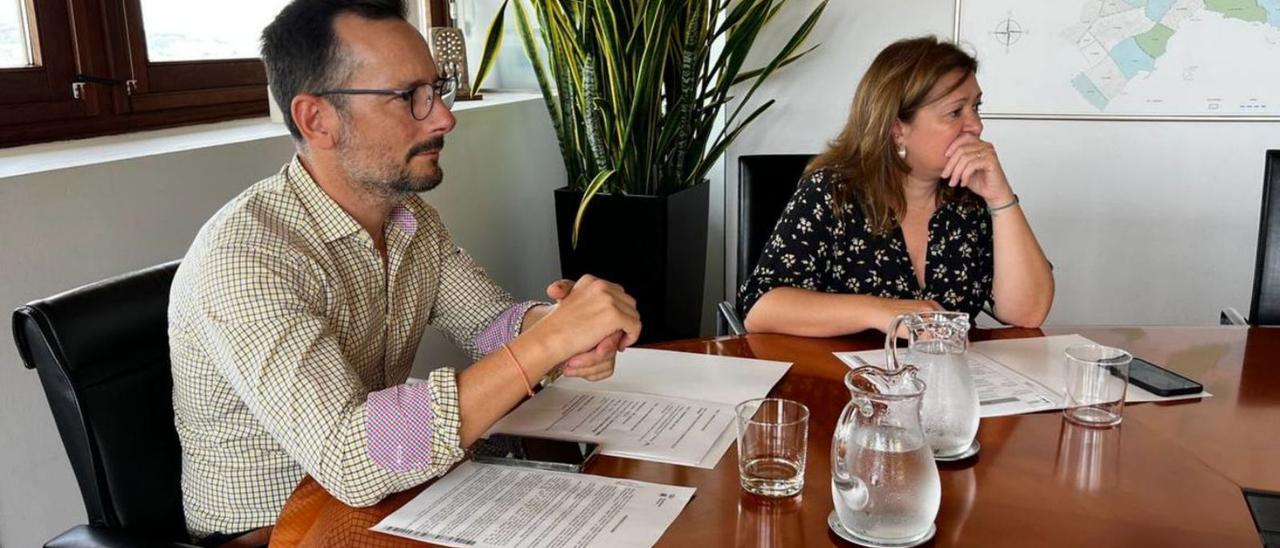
(511, 69)
(199, 30)
(15, 43)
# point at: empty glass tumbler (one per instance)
(773, 439)
(1097, 379)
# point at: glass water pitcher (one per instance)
(884, 481)
(936, 345)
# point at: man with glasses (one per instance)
(297, 311)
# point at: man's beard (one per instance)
(394, 182)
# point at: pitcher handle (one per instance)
(843, 427)
(891, 344)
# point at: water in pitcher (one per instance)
(950, 409)
(892, 491)
(936, 346)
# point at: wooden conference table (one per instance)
(1170, 475)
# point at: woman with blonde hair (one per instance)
(908, 210)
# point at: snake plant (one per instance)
(635, 87)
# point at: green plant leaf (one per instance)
(587, 195)
(717, 149)
(797, 38)
(492, 45)
(548, 94)
(635, 87)
(757, 72)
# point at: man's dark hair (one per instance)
(302, 51)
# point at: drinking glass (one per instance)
(1097, 380)
(773, 437)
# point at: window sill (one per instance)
(26, 160)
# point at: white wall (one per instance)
(1145, 222)
(60, 229)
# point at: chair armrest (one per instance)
(1231, 316)
(727, 322)
(85, 536)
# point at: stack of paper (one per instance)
(659, 405)
(1017, 376)
(485, 505)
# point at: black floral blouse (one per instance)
(811, 248)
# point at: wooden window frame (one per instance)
(438, 13)
(104, 42)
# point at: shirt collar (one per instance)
(334, 222)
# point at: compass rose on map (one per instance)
(1007, 32)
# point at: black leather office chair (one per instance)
(1264, 307)
(102, 353)
(765, 184)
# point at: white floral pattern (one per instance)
(813, 248)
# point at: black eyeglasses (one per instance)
(420, 97)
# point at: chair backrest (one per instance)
(765, 184)
(102, 353)
(1264, 309)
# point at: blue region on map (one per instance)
(1131, 59)
(1273, 11)
(1089, 91)
(1156, 9)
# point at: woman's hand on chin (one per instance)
(972, 163)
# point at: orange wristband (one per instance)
(524, 377)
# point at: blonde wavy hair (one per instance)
(862, 161)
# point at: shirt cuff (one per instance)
(505, 328)
(410, 426)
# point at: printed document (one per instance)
(720, 379)
(1016, 376)
(1001, 391)
(491, 506)
(641, 426)
(700, 383)
(1042, 359)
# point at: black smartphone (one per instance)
(544, 453)
(1160, 381)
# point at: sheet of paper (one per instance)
(1001, 391)
(641, 426)
(1015, 376)
(491, 506)
(685, 375)
(1041, 359)
(702, 377)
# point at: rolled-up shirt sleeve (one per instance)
(410, 424)
(504, 328)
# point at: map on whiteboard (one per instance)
(1128, 58)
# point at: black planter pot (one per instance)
(654, 246)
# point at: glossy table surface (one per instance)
(1170, 475)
